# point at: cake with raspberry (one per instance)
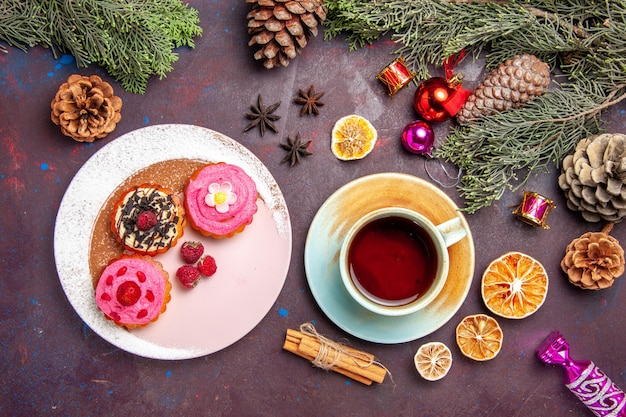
(148, 219)
(133, 290)
(220, 200)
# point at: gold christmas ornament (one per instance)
(594, 178)
(511, 85)
(85, 108)
(282, 28)
(594, 260)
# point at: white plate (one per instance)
(252, 266)
(323, 243)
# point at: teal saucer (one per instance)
(323, 243)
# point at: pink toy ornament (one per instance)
(418, 137)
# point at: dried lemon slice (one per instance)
(514, 286)
(353, 137)
(433, 360)
(479, 337)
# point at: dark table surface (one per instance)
(54, 364)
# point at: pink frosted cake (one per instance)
(220, 200)
(133, 290)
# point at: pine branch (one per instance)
(21, 25)
(585, 39)
(495, 151)
(131, 39)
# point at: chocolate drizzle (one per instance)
(160, 235)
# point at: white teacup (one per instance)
(394, 261)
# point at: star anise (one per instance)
(310, 101)
(296, 149)
(262, 116)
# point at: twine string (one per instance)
(330, 348)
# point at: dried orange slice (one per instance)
(514, 286)
(353, 137)
(479, 337)
(433, 360)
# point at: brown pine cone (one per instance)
(594, 260)
(282, 28)
(86, 108)
(511, 85)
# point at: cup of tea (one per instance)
(394, 261)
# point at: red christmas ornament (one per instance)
(418, 137)
(438, 99)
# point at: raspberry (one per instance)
(191, 251)
(188, 275)
(207, 266)
(146, 220)
(128, 293)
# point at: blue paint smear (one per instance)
(67, 59)
(50, 74)
(168, 373)
(45, 167)
(283, 312)
(146, 120)
(347, 383)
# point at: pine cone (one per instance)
(511, 85)
(86, 108)
(594, 178)
(283, 27)
(594, 260)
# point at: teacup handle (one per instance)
(452, 231)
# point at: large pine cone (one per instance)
(86, 108)
(511, 85)
(594, 178)
(283, 27)
(594, 260)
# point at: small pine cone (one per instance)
(86, 108)
(511, 85)
(282, 28)
(594, 260)
(594, 178)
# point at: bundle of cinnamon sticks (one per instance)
(353, 363)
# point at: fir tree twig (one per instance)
(496, 151)
(584, 39)
(130, 39)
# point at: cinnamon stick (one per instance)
(299, 335)
(355, 364)
(292, 347)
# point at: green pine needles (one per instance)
(583, 40)
(131, 39)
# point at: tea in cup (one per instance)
(394, 261)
